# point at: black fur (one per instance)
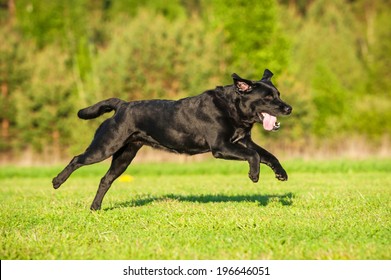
(217, 121)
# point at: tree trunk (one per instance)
(5, 123)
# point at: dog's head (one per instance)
(260, 100)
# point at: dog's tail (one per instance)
(100, 108)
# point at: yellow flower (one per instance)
(125, 178)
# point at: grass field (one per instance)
(210, 210)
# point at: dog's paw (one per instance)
(281, 175)
(56, 183)
(254, 177)
(95, 207)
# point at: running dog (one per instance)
(217, 121)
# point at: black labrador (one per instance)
(217, 121)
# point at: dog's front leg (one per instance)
(228, 150)
(267, 158)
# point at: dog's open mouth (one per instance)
(269, 122)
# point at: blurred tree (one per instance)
(331, 60)
(325, 56)
(253, 32)
(172, 61)
(45, 106)
(299, 6)
(380, 50)
(374, 106)
(172, 9)
(71, 25)
(13, 73)
(49, 22)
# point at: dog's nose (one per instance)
(287, 110)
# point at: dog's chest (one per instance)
(239, 134)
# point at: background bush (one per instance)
(330, 59)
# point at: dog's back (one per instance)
(180, 126)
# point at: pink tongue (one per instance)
(268, 121)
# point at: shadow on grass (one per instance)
(261, 200)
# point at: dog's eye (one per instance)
(269, 97)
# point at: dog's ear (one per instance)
(242, 85)
(267, 75)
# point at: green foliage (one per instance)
(52, 21)
(329, 67)
(171, 61)
(375, 106)
(331, 61)
(332, 210)
(14, 74)
(172, 9)
(253, 33)
(329, 99)
(381, 64)
(45, 106)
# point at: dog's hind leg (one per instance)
(121, 160)
(75, 163)
(106, 142)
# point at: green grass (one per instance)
(210, 210)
